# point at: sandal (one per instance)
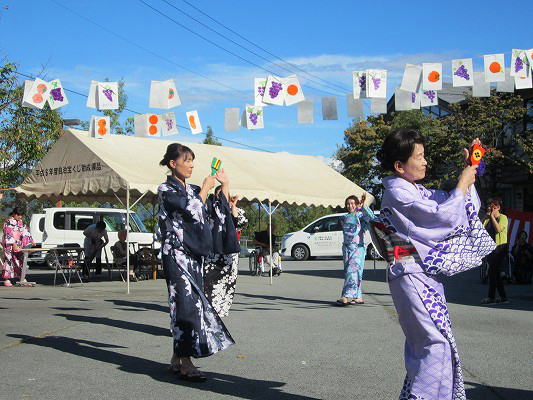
(8, 283)
(341, 303)
(353, 303)
(174, 368)
(192, 376)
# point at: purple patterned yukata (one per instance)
(444, 235)
(14, 232)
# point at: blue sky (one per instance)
(328, 39)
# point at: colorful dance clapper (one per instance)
(215, 166)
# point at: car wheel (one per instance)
(373, 254)
(50, 261)
(300, 252)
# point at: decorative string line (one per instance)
(139, 113)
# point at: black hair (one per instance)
(17, 211)
(398, 146)
(100, 225)
(496, 201)
(352, 197)
(175, 151)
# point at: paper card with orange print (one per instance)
(56, 97)
(163, 94)
(107, 95)
(411, 78)
(35, 96)
(254, 117)
(431, 76)
(463, 72)
(507, 85)
(523, 82)
(376, 83)
(274, 91)
(480, 88)
(359, 84)
(169, 126)
(428, 98)
(494, 67)
(293, 92)
(259, 91)
(100, 126)
(305, 112)
(194, 122)
(519, 63)
(147, 125)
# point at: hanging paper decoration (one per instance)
(494, 67)
(293, 92)
(481, 88)
(99, 126)
(506, 86)
(415, 101)
(57, 97)
(428, 98)
(519, 63)
(529, 55)
(35, 93)
(107, 96)
(523, 82)
(376, 83)
(354, 107)
(462, 72)
(194, 122)
(329, 108)
(378, 106)
(431, 76)
(169, 126)
(147, 125)
(359, 84)
(91, 98)
(402, 100)
(254, 117)
(274, 91)
(305, 112)
(231, 119)
(259, 91)
(163, 94)
(411, 78)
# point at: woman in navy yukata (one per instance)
(429, 233)
(186, 235)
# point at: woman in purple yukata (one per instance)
(15, 237)
(185, 230)
(427, 232)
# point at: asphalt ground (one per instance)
(97, 342)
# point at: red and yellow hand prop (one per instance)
(476, 154)
(215, 166)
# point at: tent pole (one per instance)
(128, 237)
(270, 237)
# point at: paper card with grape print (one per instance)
(329, 108)
(91, 98)
(359, 84)
(378, 106)
(402, 100)
(194, 122)
(57, 97)
(463, 72)
(507, 85)
(519, 63)
(274, 91)
(169, 126)
(494, 66)
(428, 98)
(107, 95)
(431, 76)
(376, 83)
(293, 92)
(100, 126)
(259, 91)
(35, 96)
(415, 101)
(147, 125)
(411, 78)
(163, 94)
(480, 88)
(254, 117)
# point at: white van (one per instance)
(321, 238)
(57, 226)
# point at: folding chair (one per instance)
(121, 266)
(68, 260)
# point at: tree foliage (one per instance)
(210, 138)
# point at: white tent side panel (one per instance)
(112, 163)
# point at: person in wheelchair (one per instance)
(263, 245)
(121, 250)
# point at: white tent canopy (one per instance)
(98, 169)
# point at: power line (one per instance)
(137, 112)
(258, 46)
(332, 86)
(156, 10)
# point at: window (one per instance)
(114, 221)
(330, 224)
(41, 224)
(136, 225)
(59, 220)
(80, 221)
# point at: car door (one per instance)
(323, 236)
(77, 221)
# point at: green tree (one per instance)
(26, 134)
(210, 138)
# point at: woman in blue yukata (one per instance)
(427, 233)
(354, 226)
(186, 231)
